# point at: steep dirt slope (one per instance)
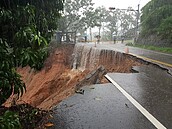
(57, 80)
(53, 83)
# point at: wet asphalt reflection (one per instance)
(101, 107)
(105, 107)
(152, 88)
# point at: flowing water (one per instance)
(86, 57)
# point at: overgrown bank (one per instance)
(26, 27)
(156, 23)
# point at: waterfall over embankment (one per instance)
(86, 57)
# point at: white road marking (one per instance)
(150, 117)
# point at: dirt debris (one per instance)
(57, 80)
(53, 83)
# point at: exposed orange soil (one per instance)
(123, 67)
(57, 81)
(53, 83)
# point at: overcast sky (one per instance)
(121, 4)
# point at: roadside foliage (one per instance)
(156, 19)
(26, 27)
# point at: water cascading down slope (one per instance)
(86, 57)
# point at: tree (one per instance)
(73, 18)
(102, 15)
(128, 20)
(155, 18)
(26, 26)
(120, 21)
(91, 19)
(10, 81)
(111, 25)
(165, 29)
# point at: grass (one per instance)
(154, 48)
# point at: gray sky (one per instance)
(121, 4)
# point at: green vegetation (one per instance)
(21, 116)
(154, 48)
(26, 26)
(10, 120)
(26, 29)
(157, 19)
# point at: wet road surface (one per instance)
(101, 107)
(152, 88)
(105, 107)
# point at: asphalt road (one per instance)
(152, 88)
(101, 107)
(105, 106)
(140, 100)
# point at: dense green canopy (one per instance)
(156, 19)
(25, 28)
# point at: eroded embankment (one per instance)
(86, 57)
(64, 70)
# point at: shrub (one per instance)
(10, 120)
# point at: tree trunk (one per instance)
(91, 38)
(111, 35)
